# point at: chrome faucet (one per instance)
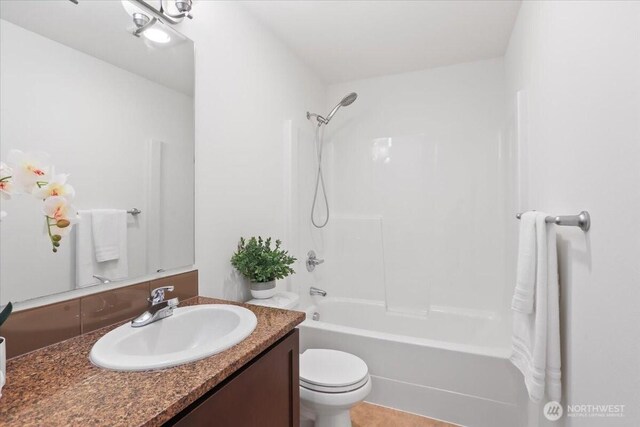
(316, 291)
(159, 308)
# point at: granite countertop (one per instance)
(58, 385)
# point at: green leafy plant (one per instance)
(4, 314)
(258, 262)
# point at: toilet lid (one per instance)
(332, 371)
(286, 300)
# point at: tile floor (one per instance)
(368, 415)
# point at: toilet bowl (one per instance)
(331, 381)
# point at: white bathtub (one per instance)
(450, 365)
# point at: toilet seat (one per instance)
(332, 371)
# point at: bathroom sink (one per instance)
(190, 334)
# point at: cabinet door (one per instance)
(264, 394)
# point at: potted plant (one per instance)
(256, 260)
(4, 314)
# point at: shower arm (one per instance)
(321, 120)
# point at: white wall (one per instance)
(95, 121)
(415, 172)
(578, 66)
(248, 85)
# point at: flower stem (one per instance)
(47, 220)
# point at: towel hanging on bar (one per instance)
(582, 220)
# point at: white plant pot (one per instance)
(3, 363)
(263, 290)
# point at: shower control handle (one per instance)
(313, 260)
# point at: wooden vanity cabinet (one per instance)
(263, 393)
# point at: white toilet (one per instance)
(331, 381)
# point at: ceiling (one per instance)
(103, 30)
(349, 40)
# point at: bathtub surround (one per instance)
(416, 262)
(578, 65)
(404, 166)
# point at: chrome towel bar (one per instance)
(582, 220)
(134, 211)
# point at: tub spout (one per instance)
(315, 291)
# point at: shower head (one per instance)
(348, 100)
(344, 102)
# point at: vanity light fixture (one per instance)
(184, 6)
(146, 16)
(142, 23)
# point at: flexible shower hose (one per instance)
(319, 181)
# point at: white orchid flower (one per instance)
(61, 216)
(29, 170)
(58, 208)
(56, 187)
(6, 183)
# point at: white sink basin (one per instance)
(192, 333)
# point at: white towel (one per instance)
(526, 276)
(87, 266)
(107, 233)
(536, 335)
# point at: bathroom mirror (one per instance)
(82, 95)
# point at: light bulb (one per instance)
(157, 35)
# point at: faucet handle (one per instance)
(157, 295)
(313, 260)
